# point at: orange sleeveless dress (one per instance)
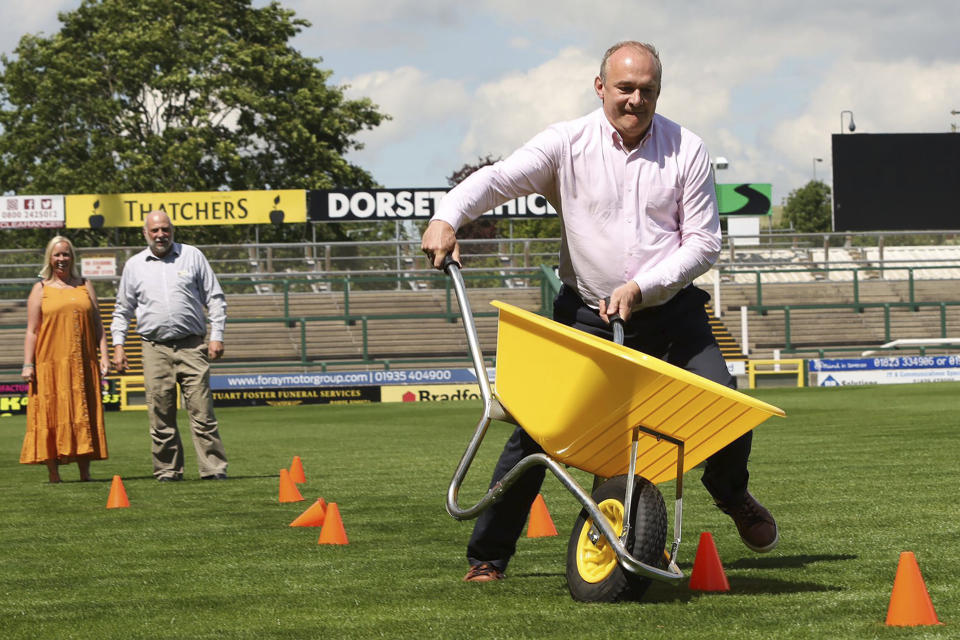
(64, 407)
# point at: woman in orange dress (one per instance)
(64, 406)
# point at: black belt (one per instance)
(171, 343)
(667, 307)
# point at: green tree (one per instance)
(176, 95)
(546, 227)
(808, 209)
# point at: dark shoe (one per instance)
(757, 528)
(483, 572)
(216, 476)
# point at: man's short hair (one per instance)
(642, 46)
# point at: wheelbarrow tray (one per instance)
(580, 398)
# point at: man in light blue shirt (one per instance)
(167, 286)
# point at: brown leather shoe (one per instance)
(483, 572)
(756, 526)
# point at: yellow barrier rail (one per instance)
(782, 368)
(128, 385)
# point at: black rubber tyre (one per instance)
(593, 573)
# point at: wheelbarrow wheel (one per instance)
(593, 572)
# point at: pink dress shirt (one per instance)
(648, 214)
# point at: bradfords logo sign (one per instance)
(429, 393)
(351, 205)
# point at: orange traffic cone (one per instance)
(296, 471)
(288, 490)
(313, 516)
(910, 603)
(118, 495)
(540, 524)
(707, 574)
(332, 531)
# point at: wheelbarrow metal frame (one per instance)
(493, 410)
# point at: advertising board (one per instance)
(838, 372)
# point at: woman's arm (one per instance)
(34, 302)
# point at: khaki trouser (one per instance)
(184, 362)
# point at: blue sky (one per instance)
(763, 83)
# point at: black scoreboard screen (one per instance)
(896, 181)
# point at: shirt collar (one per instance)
(174, 251)
(617, 140)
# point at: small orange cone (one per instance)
(313, 516)
(707, 574)
(118, 495)
(288, 490)
(332, 531)
(540, 524)
(296, 471)
(910, 603)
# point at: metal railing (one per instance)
(348, 267)
(278, 260)
(758, 274)
(542, 278)
(859, 308)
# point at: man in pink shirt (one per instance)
(638, 211)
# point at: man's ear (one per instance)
(598, 87)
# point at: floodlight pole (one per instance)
(852, 126)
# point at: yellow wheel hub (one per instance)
(595, 562)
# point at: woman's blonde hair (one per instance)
(47, 271)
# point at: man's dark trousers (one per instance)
(677, 332)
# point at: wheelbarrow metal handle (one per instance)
(452, 268)
(616, 322)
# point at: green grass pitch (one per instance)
(853, 475)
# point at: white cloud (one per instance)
(510, 110)
(373, 24)
(898, 97)
(890, 28)
(413, 100)
(377, 11)
(762, 82)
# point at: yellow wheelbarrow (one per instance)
(613, 412)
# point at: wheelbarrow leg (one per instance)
(628, 498)
(678, 506)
